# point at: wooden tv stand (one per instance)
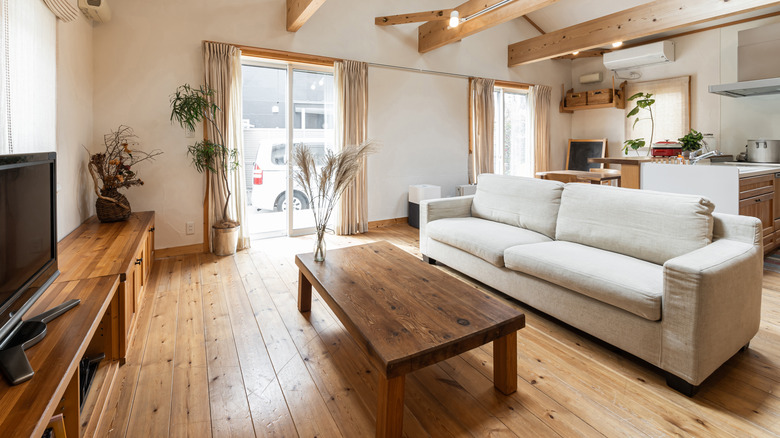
(106, 266)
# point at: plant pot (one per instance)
(225, 240)
(115, 210)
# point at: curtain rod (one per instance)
(323, 60)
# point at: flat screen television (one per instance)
(28, 233)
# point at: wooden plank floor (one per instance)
(221, 350)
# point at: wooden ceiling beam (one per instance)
(299, 12)
(414, 17)
(532, 23)
(644, 20)
(435, 34)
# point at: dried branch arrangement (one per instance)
(324, 182)
(114, 168)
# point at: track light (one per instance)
(575, 53)
(617, 44)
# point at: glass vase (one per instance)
(319, 245)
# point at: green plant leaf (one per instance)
(637, 95)
(633, 112)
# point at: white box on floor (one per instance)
(417, 194)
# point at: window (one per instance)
(671, 111)
(513, 150)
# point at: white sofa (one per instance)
(655, 274)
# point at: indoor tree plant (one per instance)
(323, 181)
(113, 169)
(190, 106)
(691, 141)
(644, 101)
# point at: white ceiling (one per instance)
(567, 13)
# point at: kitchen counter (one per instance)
(749, 169)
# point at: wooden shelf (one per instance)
(618, 100)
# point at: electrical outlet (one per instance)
(190, 227)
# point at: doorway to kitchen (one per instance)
(284, 104)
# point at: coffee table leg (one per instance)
(505, 363)
(390, 410)
(304, 293)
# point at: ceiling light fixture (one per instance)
(617, 44)
(454, 19)
(575, 53)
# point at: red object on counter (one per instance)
(666, 152)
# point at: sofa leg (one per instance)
(429, 260)
(681, 385)
(744, 348)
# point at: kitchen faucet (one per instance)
(709, 154)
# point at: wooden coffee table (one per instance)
(405, 315)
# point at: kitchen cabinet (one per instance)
(757, 199)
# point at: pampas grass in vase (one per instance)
(323, 181)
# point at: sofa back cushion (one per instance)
(651, 226)
(528, 203)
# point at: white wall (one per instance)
(75, 199)
(422, 149)
(150, 47)
(709, 58)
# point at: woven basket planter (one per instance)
(114, 209)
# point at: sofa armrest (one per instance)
(433, 209)
(711, 306)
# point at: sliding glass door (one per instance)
(276, 205)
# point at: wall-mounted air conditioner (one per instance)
(95, 10)
(648, 54)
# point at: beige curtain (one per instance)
(540, 111)
(222, 65)
(351, 79)
(482, 114)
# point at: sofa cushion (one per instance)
(651, 226)
(625, 282)
(482, 238)
(523, 202)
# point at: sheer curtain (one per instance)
(482, 114)
(222, 65)
(540, 111)
(28, 76)
(351, 78)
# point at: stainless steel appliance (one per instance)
(763, 151)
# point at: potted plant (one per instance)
(691, 141)
(644, 101)
(190, 106)
(113, 169)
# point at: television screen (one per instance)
(28, 240)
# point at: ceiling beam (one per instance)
(536, 26)
(299, 12)
(435, 34)
(644, 20)
(414, 17)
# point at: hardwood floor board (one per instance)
(220, 345)
(613, 392)
(227, 399)
(231, 428)
(343, 401)
(349, 360)
(528, 409)
(277, 339)
(120, 402)
(460, 403)
(191, 430)
(433, 416)
(535, 372)
(190, 388)
(190, 331)
(151, 412)
(161, 341)
(270, 415)
(306, 404)
(208, 269)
